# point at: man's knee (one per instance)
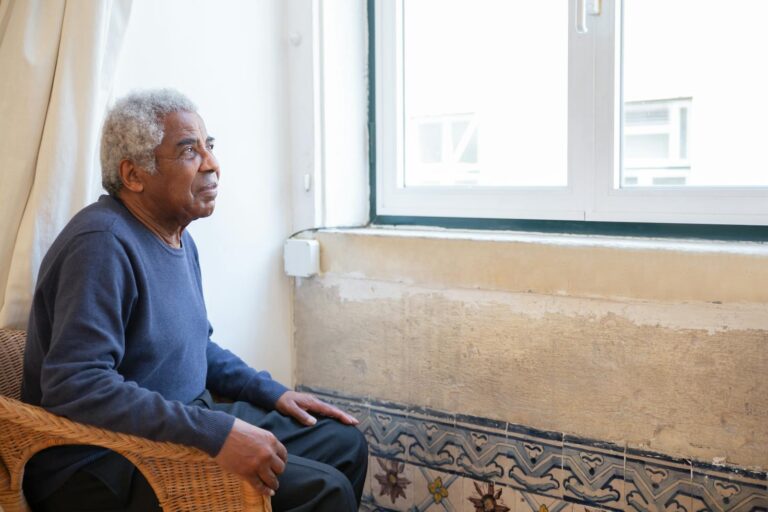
(311, 485)
(356, 448)
(339, 490)
(352, 439)
(358, 444)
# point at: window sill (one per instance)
(563, 239)
(556, 264)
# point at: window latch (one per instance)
(584, 8)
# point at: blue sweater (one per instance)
(118, 337)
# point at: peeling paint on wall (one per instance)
(673, 315)
(588, 270)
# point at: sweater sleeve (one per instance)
(231, 377)
(94, 294)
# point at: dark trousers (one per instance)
(325, 472)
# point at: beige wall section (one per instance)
(662, 348)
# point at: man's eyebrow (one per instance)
(192, 141)
(186, 142)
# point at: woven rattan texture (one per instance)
(11, 360)
(184, 479)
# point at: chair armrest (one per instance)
(183, 478)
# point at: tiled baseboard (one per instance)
(428, 460)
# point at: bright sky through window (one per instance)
(695, 69)
(481, 108)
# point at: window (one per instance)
(585, 110)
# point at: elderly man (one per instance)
(119, 338)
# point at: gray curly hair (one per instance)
(133, 129)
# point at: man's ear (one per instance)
(131, 176)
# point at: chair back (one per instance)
(11, 362)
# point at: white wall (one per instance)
(228, 57)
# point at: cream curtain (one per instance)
(57, 64)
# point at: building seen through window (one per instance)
(656, 146)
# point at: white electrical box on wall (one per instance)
(302, 257)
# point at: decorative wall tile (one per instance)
(656, 485)
(530, 502)
(482, 496)
(436, 491)
(578, 507)
(366, 506)
(481, 452)
(388, 433)
(429, 460)
(594, 476)
(434, 440)
(392, 484)
(534, 464)
(718, 490)
(683, 498)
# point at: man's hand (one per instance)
(299, 405)
(254, 454)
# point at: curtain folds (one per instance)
(57, 65)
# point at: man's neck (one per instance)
(169, 232)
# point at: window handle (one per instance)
(584, 7)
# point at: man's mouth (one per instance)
(210, 189)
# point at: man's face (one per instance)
(185, 185)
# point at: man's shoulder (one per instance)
(107, 215)
(96, 226)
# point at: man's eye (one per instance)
(210, 147)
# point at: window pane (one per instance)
(694, 93)
(646, 147)
(480, 106)
(430, 143)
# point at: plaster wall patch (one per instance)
(705, 316)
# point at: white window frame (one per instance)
(594, 146)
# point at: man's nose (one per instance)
(209, 163)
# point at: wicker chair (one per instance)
(183, 478)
